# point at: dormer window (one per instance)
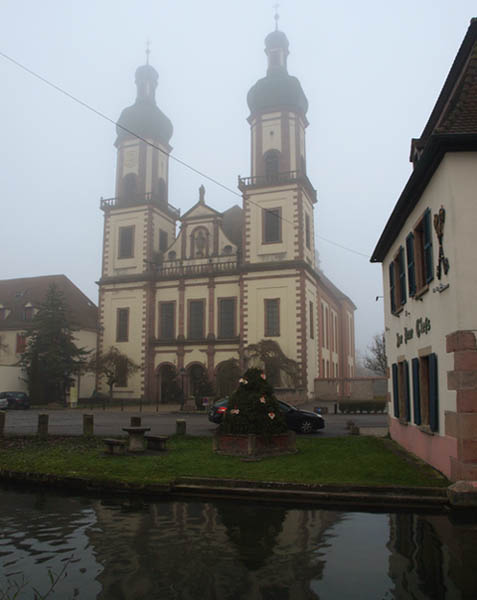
(28, 313)
(171, 255)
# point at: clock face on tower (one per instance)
(130, 159)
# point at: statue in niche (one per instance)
(200, 244)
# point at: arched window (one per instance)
(129, 188)
(272, 165)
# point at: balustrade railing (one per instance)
(136, 200)
(272, 179)
(178, 270)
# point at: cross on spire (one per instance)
(148, 51)
(277, 16)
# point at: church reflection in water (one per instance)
(127, 548)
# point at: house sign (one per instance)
(423, 326)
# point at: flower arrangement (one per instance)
(253, 407)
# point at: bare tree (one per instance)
(375, 360)
(276, 364)
(113, 365)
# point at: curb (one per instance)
(364, 497)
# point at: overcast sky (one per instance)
(371, 70)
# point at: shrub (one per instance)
(253, 407)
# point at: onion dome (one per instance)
(278, 89)
(144, 118)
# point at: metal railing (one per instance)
(138, 200)
(283, 178)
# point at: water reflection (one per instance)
(129, 549)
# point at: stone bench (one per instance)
(156, 442)
(115, 446)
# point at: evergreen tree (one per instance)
(51, 358)
(253, 407)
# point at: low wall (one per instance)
(350, 388)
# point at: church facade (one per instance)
(182, 305)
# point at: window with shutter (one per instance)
(196, 319)
(397, 282)
(423, 257)
(272, 317)
(433, 394)
(416, 391)
(21, 343)
(406, 394)
(394, 370)
(226, 317)
(312, 322)
(411, 271)
(166, 320)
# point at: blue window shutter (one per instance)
(391, 287)
(416, 391)
(411, 269)
(395, 390)
(428, 259)
(407, 396)
(433, 394)
(402, 276)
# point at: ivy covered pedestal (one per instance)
(254, 425)
(253, 445)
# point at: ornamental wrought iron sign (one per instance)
(443, 262)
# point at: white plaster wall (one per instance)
(452, 186)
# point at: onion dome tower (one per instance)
(142, 167)
(278, 108)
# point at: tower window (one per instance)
(163, 240)
(122, 325)
(272, 317)
(126, 242)
(272, 165)
(162, 190)
(272, 230)
(130, 186)
(307, 231)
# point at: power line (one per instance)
(178, 160)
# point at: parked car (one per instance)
(3, 403)
(15, 400)
(301, 421)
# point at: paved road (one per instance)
(110, 422)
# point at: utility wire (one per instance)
(178, 160)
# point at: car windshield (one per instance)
(17, 394)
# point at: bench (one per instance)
(156, 442)
(115, 446)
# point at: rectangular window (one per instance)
(422, 253)
(21, 343)
(122, 324)
(272, 225)
(401, 395)
(166, 320)
(272, 317)
(312, 322)
(327, 337)
(163, 242)
(121, 378)
(196, 319)
(226, 317)
(425, 391)
(307, 231)
(397, 282)
(126, 242)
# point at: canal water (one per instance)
(115, 549)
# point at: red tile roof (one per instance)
(16, 293)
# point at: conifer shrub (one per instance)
(253, 407)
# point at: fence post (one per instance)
(43, 425)
(3, 415)
(180, 427)
(88, 424)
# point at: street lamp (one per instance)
(182, 373)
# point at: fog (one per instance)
(371, 70)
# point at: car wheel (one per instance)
(307, 427)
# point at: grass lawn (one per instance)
(346, 460)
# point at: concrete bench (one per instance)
(156, 442)
(115, 446)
